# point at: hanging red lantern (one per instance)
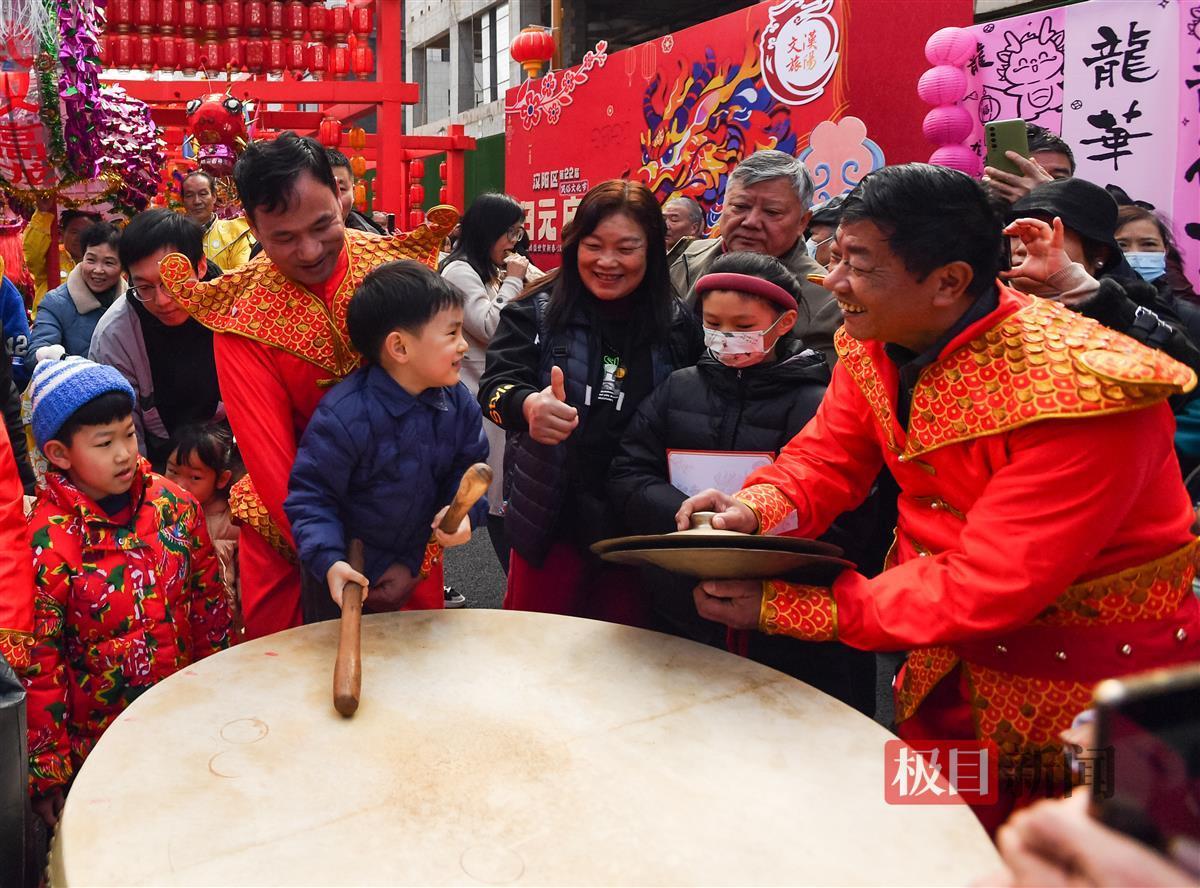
(442, 171)
(357, 139)
(358, 166)
(143, 52)
(294, 58)
(318, 58)
(362, 19)
(166, 52)
(168, 16)
(231, 12)
(189, 54)
(295, 18)
(210, 18)
(120, 15)
(275, 57)
(442, 195)
(360, 197)
(122, 51)
(143, 15)
(189, 17)
(362, 60)
(318, 20)
(339, 22)
(330, 132)
(254, 17)
(211, 56)
(416, 193)
(415, 218)
(416, 169)
(339, 61)
(235, 53)
(256, 55)
(276, 18)
(531, 48)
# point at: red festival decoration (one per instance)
(330, 132)
(218, 127)
(531, 48)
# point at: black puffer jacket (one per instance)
(710, 407)
(714, 407)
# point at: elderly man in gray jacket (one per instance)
(766, 210)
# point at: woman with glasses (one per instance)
(485, 266)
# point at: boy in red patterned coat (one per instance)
(1044, 539)
(126, 584)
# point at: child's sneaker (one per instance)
(453, 599)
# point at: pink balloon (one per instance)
(950, 46)
(957, 157)
(943, 85)
(947, 125)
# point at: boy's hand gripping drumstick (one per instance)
(474, 484)
(347, 670)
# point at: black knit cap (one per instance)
(828, 213)
(1086, 209)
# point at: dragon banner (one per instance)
(831, 81)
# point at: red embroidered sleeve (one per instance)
(209, 614)
(805, 612)
(768, 504)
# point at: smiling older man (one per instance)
(766, 210)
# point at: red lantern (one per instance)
(143, 15)
(531, 48)
(275, 57)
(357, 139)
(295, 18)
(339, 22)
(416, 193)
(276, 18)
(362, 60)
(143, 52)
(189, 54)
(318, 58)
(211, 56)
(122, 51)
(235, 53)
(415, 218)
(358, 166)
(189, 16)
(318, 20)
(416, 169)
(232, 13)
(254, 17)
(339, 61)
(442, 171)
(120, 15)
(442, 192)
(330, 132)
(294, 58)
(168, 16)
(362, 19)
(360, 197)
(256, 55)
(166, 52)
(210, 18)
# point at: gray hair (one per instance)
(763, 165)
(694, 210)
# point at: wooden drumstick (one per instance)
(347, 670)
(473, 485)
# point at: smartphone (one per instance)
(1149, 724)
(1005, 135)
(391, 223)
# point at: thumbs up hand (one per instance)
(551, 419)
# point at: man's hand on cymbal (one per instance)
(736, 603)
(731, 514)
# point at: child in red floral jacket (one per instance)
(126, 584)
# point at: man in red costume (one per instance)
(1044, 539)
(281, 342)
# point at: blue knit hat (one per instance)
(59, 388)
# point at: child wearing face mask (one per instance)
(752, 391)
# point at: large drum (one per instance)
(498, 748)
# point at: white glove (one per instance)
(50, 353)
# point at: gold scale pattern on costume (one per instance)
(258, 302)
(1043, 362)
(808, 612)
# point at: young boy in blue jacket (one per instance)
(387, 446)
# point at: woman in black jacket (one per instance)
(752, 392)
(566, 370)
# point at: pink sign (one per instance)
(1186, 211)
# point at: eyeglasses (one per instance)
(515, 233)
(137, 293)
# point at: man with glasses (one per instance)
(165, 354)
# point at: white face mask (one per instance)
(813, 245)
(728, 347)
(1151, 266)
